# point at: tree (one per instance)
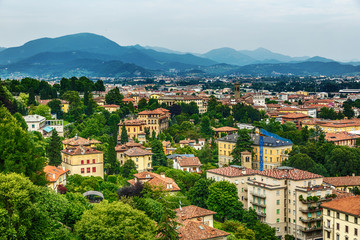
(21, 121)
(199, 193)
(115, 220)
(17, 152)
(167, 226)
(142, 105)
(342, 161)
(223, 199)
(88, 103)
(43, 110)
(239, 230)
(158, 158)
(124, 135)
(99, 86)
(348, 111)
(206, 128)
(75, 105)
(128, 168)
(243, 143)
(53, 149)
(114, 97)
(55, 106)
(31, 100)
(111, 163)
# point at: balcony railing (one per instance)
(307, 220)
(261, 214)
(311, 209)
(258, 204)
(310, 229)
(258, 194)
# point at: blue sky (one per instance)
(328, 28)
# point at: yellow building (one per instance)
(305, 93)
(64, 106)
(135, 129)
(82, 160)
(341, 218)
(156, 96)
(156, 120)
(274, 151)
(142, 158)
(332, 126)
(111, 108)
(171, 100)
(55, 176)
(77, 141)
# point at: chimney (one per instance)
(162, 175)
(63, 168)
(353, 174)
(82, 149)
(243, 171)
(53, 176)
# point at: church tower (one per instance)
(237, 90)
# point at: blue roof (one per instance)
(48, 129)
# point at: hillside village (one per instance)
(180, 161)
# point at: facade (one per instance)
(274, 150)
(156, 120)
(237, 90)
(141, 157)
(65, 106)
(296, 118)
(171, 100)
(135, 129)
(111, 108)
(341, 218)
(45, 127)
(83, 160)
(342, 138)
(55, 176)
(189, 164)
(332, 126)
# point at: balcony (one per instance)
(258, 204)
(258, 194)
(307, 220)
(311, 209)
(311, 229)
(261, 214)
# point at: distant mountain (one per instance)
(104, 48)
(319, 59)
(245, 57)
(302, 68)
(164, 50)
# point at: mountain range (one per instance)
(97, 56)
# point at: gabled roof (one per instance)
(225, 129)
(295, 115)
(192, 211)
(53, 173)
(289, 173)
(194, 230)
(136, 151)
(350, 205)
(233, 171)
(188, 161)
(343, 181)
(77, 141)
(81, 150)
(157, 180)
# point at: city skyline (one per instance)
(307, 28)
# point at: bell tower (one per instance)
(237, 90)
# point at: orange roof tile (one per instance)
(136, 151)
(233, 171)
(53, 173)
(350, 205)
(340, 136)
(225, 129)
(289, 173)
(188, 161)
(192, 211)
(81, 150)
(295, 115)
(194, 230)
(343, 181)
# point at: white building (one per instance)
(189, 164)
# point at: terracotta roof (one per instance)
(156, 111)
(225, 129)
(136, 151)
(77, 141)
(194, 230)
(192, 211)
(342, 194)
(188, 161)
(289, 173)
(111, 106)
(157, 180)
(53, 173)
(295, 115)
(350, 205)
(233, 171)
(289, 109)
(343, 181)
(134, 122)
(339, 136)
(80, 150)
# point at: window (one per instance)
(33, 125)
(277, 202)
(88, 170)
(328, 223)
(355, 220)
(346, 229)
(346, 217)
(278, 220)
(277, 193)
(82, 170)
(82, 161)
(328, 234)
(328, 212)
(88, 161)
(277, 211)
(355, 231)
(337, 215)
(93, 160)
(94, 169)
(137, 159)
(337, 237)
(337, 226)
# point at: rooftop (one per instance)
(53, 173)
(233, 171)
(137, 151)
(81, 150)
(343, 181)
(192, 211)
(350, 205)
(194, 230)
(289, 173)
(34, 118)
(188, 161)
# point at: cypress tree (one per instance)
(53, 149)
(124, 135)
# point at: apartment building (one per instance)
(274, 151)
(332, 126)
(141, 157)
(178, 99)
(156, 120)
(135, 129)
(341, 218)
(289, 199)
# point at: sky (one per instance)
(327, 28)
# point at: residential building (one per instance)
(234, 174)
(342, 138)
(289, 199)
(155, 180)
(79, 141)
(195, 213)
(83, 160)
(141, 157)
(178, 99)
(224, 131)
(45, 127)
(341, 218)
(55, 176)
(331, 126)
(135, 129)
(167, 148)
(345, 183)
(111, 108)
(156, 120)
(296, 118)
(274, 150)
(100, 101)
(189, 164)
(65, 106)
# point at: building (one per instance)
(342, 138)
(189, 164)
(45, 127)
(55, 176)
(237, 90)
(178, 99)
(141, 157)
(331, 126)
(65, 106)
(197, 223)
(274, 151)
(111, 108)
(135, 129)
(79, 141)
(224, 131)
(234, 174)
(156, 120)
(289, 199)
(155, 180)
(84, 160)
(296, 118)
(341, 219)
(167, 148)
(345, 183)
